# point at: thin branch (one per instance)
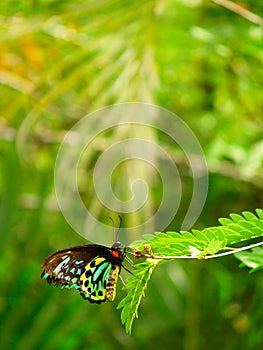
(233, 251)
(241, 11)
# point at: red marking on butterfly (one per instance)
(115, 253)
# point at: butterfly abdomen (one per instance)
(112, 283)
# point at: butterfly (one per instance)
(91, 269)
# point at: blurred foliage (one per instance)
(60, 60)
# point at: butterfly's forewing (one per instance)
(91, 269)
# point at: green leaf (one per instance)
(214, 246)
(248, 215)
(236, 217)
(137, 284)
(259, 213)
(252, 259)
(207, 242)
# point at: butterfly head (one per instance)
(117, 252)
(116, 245)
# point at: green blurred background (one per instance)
(59, 61)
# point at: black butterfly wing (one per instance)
(91, 269)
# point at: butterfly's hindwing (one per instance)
(91, 269)
(94, 280)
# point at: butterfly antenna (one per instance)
(120, 224)
(111, 219)
(116, 231)
(113, 224)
